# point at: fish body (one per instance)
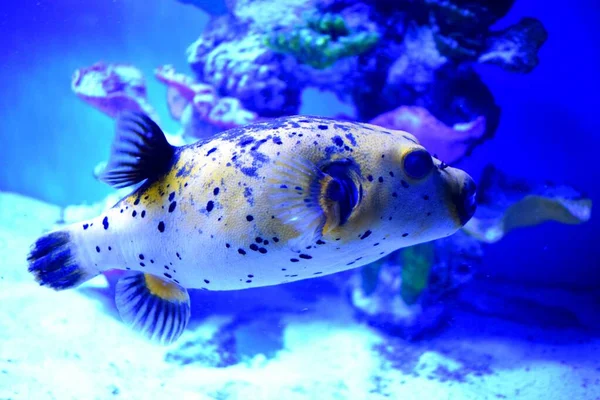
(269, 203)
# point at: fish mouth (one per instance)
(465, 201)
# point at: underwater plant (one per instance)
(322, 41)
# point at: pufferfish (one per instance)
(268, 203)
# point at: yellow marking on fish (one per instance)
(163, 289)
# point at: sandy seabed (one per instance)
(71, 345)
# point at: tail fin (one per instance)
(53, 262)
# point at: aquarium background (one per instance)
(52, 141)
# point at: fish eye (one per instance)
(418, 164)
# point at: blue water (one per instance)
(549, 127)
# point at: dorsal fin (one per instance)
(139, 151)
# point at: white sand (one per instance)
(71, 345)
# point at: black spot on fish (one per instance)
(109, 248)
(206, 281)
(394, 194)
(262, 250)
(253, 247)
(171, 196)
(404, 184)
(249, 171)
(376, 244)
(248, 281)
(245, 141)
(242, 252)
(277, 140)
(227, 245)
(380, 179)
(161, 226)
(425, 197)
(151, 261)
(141, 256)
(211, 151)
(365, 235)
(350, 137)
(391, 174)
(275, 239)
(166, 267)
(258, 240)
(143, 214)
(305, 256)
(97, 249)
(370, 178)
(178, 255)
(167, 275)
(136, 202)
(322, 127)
(216, 191)
(338, 141)
(85, 226)
(404, 234)
(317, 273)
(172, 206)
(142, 264)
(105, 223)
(210, 205)
(320, 241)
(134, 213)
(249, 218)
(294, 260)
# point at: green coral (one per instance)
(416, 264)
(322, 41)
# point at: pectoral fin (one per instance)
(158, 309)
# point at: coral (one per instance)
(379, 56)
(208, 112)
(322, 41)
(243, 68)
(516, 47)
(447, 143)
(462, 32)
(506, 203)
(112, 88)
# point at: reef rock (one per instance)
(241, 66)
(506, 203)
(112, 88)
(198, 107)
(380, 56)
(407, 293)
